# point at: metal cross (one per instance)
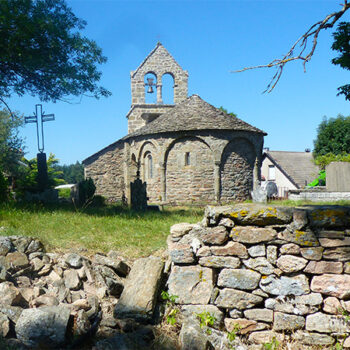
(43, 118)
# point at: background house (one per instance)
(289, 170)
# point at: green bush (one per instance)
(87, 190)
(3, 188)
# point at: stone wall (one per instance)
(106, 168)
(265, 272)
(317, 195)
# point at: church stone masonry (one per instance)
(188, 151)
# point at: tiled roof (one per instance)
(298, 166)
(194, 114)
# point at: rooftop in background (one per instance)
(297, 166)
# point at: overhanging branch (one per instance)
(311, 34)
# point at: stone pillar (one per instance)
(159, 93)
(217, 180)
(162, 172)
(256, 174)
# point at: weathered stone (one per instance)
(234, 313)
(220, 261)
(312, 253)
(271, 254)
(203, 251)
(81, 324)
(45, 270)
(264, 337)
(329, 216)
(333, 285)
(251, 234)
(192, 284)
(259, 264)
(290, 248)
(260, 293)
(21, 243)
(239, 279)
(287, 322)
(312, 338)
(347, 267)
(71, 279)
(118, 264)
(191, 337)
(44, 300)
(296, 285)
(264, 315)
(291, 263)
(232, 298)
(231, 248)
(243, 326)
(181, 254)
(346, 343)
(140, 289)
(179, 230)
(16, 261)
(305, 238)
(5, 245)
(37, 264)
(323, 323)
(254, 214)
(338, 254)
(34, 246)
(44, 326)
(10, 295)
(321, 267)
(291, 306)
(300, 219)
(257, 250)
(215, 235)
(194, 310)
(226, 222)
(3, 273)
(332, 306)
(330, 234)
(74, 260)
(4, 325)
(331, 243)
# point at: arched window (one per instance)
(149, 166)
(168, 89)
(150, 88)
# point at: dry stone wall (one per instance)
(265, 273)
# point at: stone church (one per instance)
(186, 151)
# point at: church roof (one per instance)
(194, 114)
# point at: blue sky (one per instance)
(209, 39)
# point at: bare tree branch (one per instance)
(311, 34)
(8, 108)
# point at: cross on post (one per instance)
(41, 156)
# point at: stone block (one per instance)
(232, 298)
(290, 248)
(304, 238)
(181, 229)
(331, 305)
(220, 261)
(243, 326)
(339, 254)
(257, 250)
(296, 285)
(259, 264)
(193, 310)
(291, 263)
(332, 243)
(312, 339)
(264, 315)
(231, 248)
(322, 323)
(332, 285)
(216, 235)
(287, 322)
(192, 284)
(312, 253)
(264, 337)
(252, 235)
(181, 254)
(329, 217)
(321, 267)
(239, 279)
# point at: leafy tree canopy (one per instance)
(333, 136)
(10, 142)
(342, 45)
(72, 173)
(43, 53)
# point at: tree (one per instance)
(42, 52)
(229, 113)
(72, 173)
(301, 51)
(342, 45)
(333, 136)
(10, 143)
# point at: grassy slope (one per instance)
(96, 229)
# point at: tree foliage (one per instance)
(43, 53)
(333, 136)
(28, 180)
(221, 108)
(10, 143)
(323, 161)
(342, 45)
(72, 173)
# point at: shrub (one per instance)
(3, 188)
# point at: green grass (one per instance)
(96, 229)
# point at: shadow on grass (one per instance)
(102, 211)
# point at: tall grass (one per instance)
(63, 227)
